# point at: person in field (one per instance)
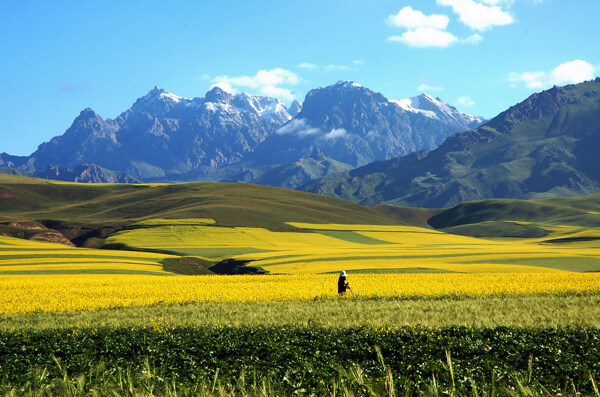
(342, 284)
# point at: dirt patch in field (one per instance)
(52, 236)
(87, 236)
(8, 195)
(14, 235)
(26, 225)
(187, 265)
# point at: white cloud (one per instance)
(358, 62)
(335, 133)
(278, 92)
(299, 127)
(224, 86)
(506, 3)
(569, 72)
(428, 30)
(307, 65)
(425, 37)
(465, 101)
(474, 39)
(413, 19)
(479, 16)
(267, 82)
(332, 68)
(373, 135)
(277, 76)
(428, 88)
(324, 68)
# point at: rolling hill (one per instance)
(573, 211)
(25, 199)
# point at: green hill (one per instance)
(574, 211)
(524, 218)
(408, 215)
(24, 199)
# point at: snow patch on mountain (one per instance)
(436, 108)
(172, 97)
(348, 83)
(412, 106)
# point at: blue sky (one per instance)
(482, 56)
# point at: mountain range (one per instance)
(241, 137)
(545, 146)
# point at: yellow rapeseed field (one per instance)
(322, 248)
(24, 257)
(26, 294)
(47, 277)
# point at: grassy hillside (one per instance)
(408, 215)
(229, 204)
(544, 147)
(573, 211)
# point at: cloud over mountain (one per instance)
(273, 82)
(569, 72)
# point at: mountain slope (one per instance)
(293, 174)
(436, 108)
(86, 173)
(543, 147)
(354, 125)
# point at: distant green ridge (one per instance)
(229, 204)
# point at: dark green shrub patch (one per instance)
(310, 360)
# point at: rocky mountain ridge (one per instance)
(165, 137)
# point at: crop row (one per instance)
(308, 360)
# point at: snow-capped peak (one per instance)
(416, 105)
(172, 97)
(159, 95)
(436, 108)
(261, 105)
(347, 83)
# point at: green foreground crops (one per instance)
(299, 361)
(506, 346)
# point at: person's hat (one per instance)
(343, 273)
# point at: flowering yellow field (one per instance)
(26, 294)
(316, 248)
(41, 276)
(323, 248)
(24, 257)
